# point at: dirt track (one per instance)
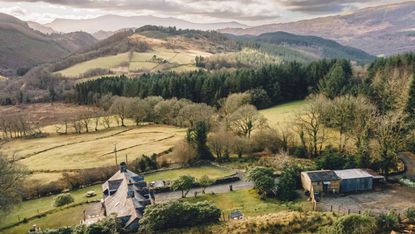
(394, 196)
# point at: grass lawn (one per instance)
(67, 217)
(197, 172)
(249, 203)
(32, 207)
(283, 115)
(92, 150)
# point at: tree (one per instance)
(246, 119)
(198, 137)
(178, 214)
(184, 184)
(63, 199)
(391, 137)
(119, 107)
(196, 112)
(205, 182)
(221, 143)
(410, 105)
(139, 110)
(287, 184)
(259, 98)
(310, 127)
(263, 178)
(337, 81)
(183, 152)
(11, 179)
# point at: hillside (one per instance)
(147, 49)
(154, 49)
(115, 23)
(382, 30)
(312, 46)
(23, 47)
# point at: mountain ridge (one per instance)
(377, 30)
(117, 22)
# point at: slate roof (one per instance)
(124, 195)
(323, 175)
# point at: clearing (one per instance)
(31, 208)
(283, 115)
(91, 150)
(212, 171)
(249, 203)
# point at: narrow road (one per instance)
(221, 188)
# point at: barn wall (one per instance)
(356, 185)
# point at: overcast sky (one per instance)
(251, 12)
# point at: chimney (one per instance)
(123, 167)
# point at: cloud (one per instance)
(321, 6)
(222, 9)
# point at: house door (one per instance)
(326, 187)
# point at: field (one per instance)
(2, 78)
(176, 60)
(197, 172)
(72, 216)
(31, 208)
(284, 115)
(69, 152)
(249, 203)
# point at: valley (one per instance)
(217, 117)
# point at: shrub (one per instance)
(410, 214)
(388, 222)
(355, 224)
(62, 199)
(178, 215)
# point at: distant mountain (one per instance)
(382, 30)
(115, 23)
(23, 47)
(75, 41)
(41, 28)
(311, 46)
(101, 35)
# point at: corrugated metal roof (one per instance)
(352, 174)
(323, 175)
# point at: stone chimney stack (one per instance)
(123, 167)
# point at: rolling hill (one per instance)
(382, 30)
(23, 47)
(116, 22)
(309, 46)
(158, 49)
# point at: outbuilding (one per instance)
(354, 180)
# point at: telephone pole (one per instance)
(115, 154)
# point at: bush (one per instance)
(388, 222)
(410, 214)
(355, 224)
(178, 215)
(62, 199)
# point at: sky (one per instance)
(249, 12)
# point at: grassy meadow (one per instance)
(90, 150)
(67, 217)
(249, 203)
(31, 208)
(177, 60)
(284, 115)
(212, 171)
